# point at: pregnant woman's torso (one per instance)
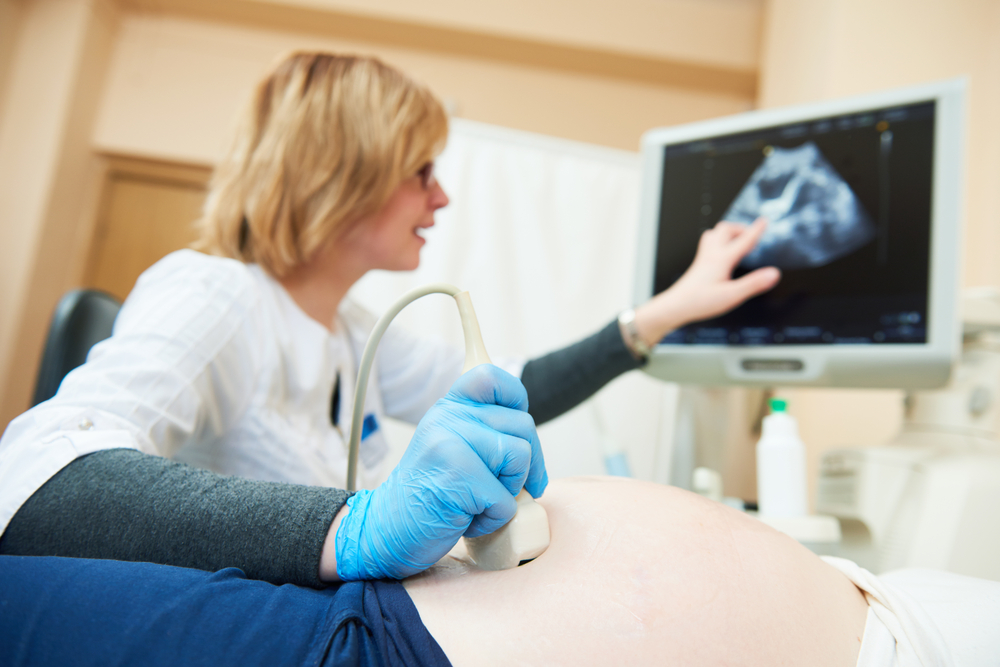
(639, 573)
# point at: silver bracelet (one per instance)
(637, 347)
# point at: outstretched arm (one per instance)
(561, 380)
(707, 288)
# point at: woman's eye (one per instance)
(426, 175)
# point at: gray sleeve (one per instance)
(563, 379)
(122, 504)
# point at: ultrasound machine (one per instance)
(863, 198)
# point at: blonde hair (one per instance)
(325, 140)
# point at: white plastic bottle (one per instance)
(781, 465)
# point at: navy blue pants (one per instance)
(67, 611)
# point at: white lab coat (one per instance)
(213, 364)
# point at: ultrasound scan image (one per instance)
(813, 215)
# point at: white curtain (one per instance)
(542, 232)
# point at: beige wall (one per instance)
(708, 31)
(708, 35)
(175, 84)
(49, 174)
(820, 49)
(10, 24)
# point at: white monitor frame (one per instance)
(909, 366)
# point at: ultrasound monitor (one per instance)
(863, 201)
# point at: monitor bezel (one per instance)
(910, 365)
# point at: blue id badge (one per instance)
(373, 444)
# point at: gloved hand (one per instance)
(471, 454)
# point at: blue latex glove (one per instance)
(471, 454)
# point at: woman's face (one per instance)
(390, 239)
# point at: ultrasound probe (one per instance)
(525, 536)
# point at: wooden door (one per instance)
(148, 212)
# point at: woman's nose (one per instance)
(439, 199)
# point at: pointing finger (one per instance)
(727, 231)
(750, 236)
(755, 282)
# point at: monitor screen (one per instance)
(848, 203)
(857, 198)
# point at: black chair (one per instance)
(83, 318)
